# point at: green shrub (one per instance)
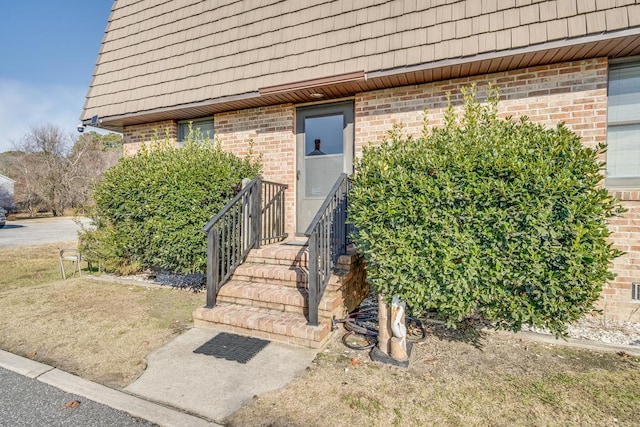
(151, 207)
(499, 218)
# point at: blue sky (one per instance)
(47, 53)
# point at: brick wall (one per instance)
(137, 135)
(625, 236)
(272, 130)
(572, 92)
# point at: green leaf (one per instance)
(485, 216)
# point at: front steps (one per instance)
(267, 297)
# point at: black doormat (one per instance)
(232, 347)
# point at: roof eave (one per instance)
(617, 44)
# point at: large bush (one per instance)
(494, 217)
(151, 207)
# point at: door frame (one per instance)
(347, 109)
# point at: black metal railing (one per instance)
(254, 216)
(328, 236)
(273, 215)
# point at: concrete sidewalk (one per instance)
(180, 387)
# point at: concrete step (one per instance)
(276, 274)
(265, 295)
(293, 255)
(277, 297)
(260, 322)
(280, 254)
(286, 275)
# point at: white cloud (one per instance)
(23, 105)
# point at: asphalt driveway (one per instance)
(39, 231)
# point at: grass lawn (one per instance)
(97, 330)
(498, 380)
(104, 332)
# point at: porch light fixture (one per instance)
(316, 95)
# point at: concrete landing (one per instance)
(212, 387)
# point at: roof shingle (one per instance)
(158, 54)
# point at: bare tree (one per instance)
(55, 170)
(44, 167)
(25, 195)
(92, 154)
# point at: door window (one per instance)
(324, 153)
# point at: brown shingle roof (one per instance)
(162, 54)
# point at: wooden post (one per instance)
(384, 326)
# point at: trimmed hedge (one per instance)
(151, 207)
(499, 218)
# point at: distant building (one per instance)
(6, 192)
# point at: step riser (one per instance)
(333, 285)
(278, 261)
(294, 255)
(285, 275)
(328, 306)
(285, 339)
(271, 273)
(271, 281)
(323, 313)
(275, 306)
(280, 255)
(263, 323)
(344, 261)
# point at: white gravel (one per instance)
(614, 332)
(609, 331)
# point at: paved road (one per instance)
(28, 402)
(39, 231)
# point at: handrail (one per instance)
(328, 236)
(229, 205)
(247, 220)
(273, 212)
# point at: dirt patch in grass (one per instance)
(457, 380)
(100, 331)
